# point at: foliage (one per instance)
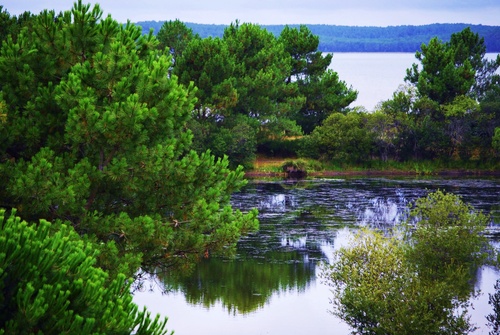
(49, 284)
(324, 92)
(263, 66)
(239, 77)
(281, 82)
(496, 140)
(210, 65)
(238, 139)
(448, 235)
(454, 68)
(419, 284)
(494, 318)
(440, 117)
(175, 36)
(343, 138)
(302, 46)
(96, 135)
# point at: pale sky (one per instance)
(334, 12)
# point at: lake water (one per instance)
(374, 75)
(271, 287)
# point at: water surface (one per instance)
(271, 286)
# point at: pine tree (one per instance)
(95, 135)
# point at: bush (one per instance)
(49, 284)
(419, 284)
(342, 138)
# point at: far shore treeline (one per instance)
(334, 38)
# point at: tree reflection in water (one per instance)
(301, 223)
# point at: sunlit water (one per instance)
(272, 286)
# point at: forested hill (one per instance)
(363, 39)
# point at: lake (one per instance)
(271, 287)
(374, 75)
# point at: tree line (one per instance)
(258, 93)
(334, 38)
(449, 110)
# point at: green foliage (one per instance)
(343, 138)
(454, 68)
(282, 83)
(494, 318)
(49, 284)
(302, 46)
(210, 65)
(175, 36)
(96, 135)
(438, 116)
(238, 139)
(322, 89)
(262, 68)
(417, 285)
(496, 140)
(325, 94)
(239, 78)
(235, 136)
(448, 234)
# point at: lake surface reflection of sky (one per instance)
(272, 286)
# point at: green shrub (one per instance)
(415, 285)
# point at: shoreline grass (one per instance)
(266, 166)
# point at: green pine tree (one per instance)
(95, 131)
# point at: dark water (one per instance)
(271, 286)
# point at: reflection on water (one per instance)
(301, 223)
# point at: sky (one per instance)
(380, 13)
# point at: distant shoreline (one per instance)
(333, 38)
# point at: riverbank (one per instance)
(274, 167)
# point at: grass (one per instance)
(274, 165)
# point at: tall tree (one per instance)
(209, 64)
(262, 68)
(302, 45)
(96, 136)
(175, 36)
(241, 90)
(322, 89)
(454, 68)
